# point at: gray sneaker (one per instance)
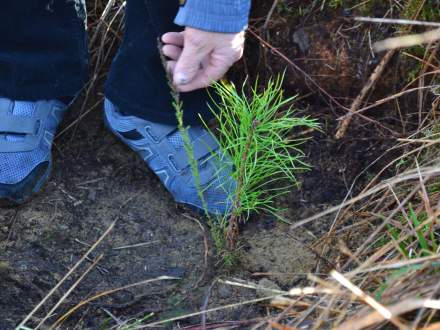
(26, 134)
(162, 148)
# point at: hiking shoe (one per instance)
(26, 134)
(162, 148)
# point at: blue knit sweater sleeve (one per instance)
(228, 16)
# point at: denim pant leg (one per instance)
(43, 49)
(137, 80)
(44, 55)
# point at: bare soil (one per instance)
(96, 181)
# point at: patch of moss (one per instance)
(367, 8)
(372, 8)
(429, 12)
(413, 72)
(425, 10)
(293, 10)
(228, 259)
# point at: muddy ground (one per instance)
(96, 180)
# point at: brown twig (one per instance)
(206, 246)
(380, 309)
(69, 291)
(70, 272)
(395, 310)
(310, 79)
(343, 126)
(106, 293)
(269, 15)
(223, 325)
(297, 68)
(206, 302)
(281, 327)
(374, 77)
(232, 231)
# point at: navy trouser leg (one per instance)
(137, 80)
(43, 49)
(44, 55)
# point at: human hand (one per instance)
(198, 58)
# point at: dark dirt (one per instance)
(96, 180)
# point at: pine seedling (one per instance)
(256, 133)
(178, 107)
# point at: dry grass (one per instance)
(385, 240)
(376, 284)
(376, 281)
(105, 33)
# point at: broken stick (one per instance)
(343, 125)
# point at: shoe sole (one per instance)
(199, 211)
(8, 201)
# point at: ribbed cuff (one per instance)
(225, 16)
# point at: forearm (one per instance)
(226, 16)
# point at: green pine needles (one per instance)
(256, 132)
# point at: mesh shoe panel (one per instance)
(15, 166)
(176, 140)
(217, 193)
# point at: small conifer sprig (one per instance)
(256, 132)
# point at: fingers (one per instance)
(214, 71)
(190, 61)
(172, 49)
(172, 52)
(197, 58)
(173, 38)
(171, 65)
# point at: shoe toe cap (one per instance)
(20, 191)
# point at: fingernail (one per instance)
(181, 78)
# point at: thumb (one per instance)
(189, 63)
